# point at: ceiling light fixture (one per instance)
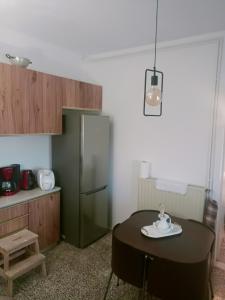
(153, 84)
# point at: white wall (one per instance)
(31, 152)
(178, 143)
(45, 57)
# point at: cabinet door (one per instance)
(45, 109)
(30, 101)
(71, 93)
(13, 225)
(81, 95)
(13, 212)
(13, 218)
(14, 100)
(36, 107)
(52, 104)
(91, 96)
(44, 219)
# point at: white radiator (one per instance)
(188, 206)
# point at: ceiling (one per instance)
(94, 26)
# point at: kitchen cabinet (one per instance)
(71, 93)
(40, 214)
(13, 225)
(91, 96)
(30, 102)
(45, 109)
(44, 219)
(13, 212)
(14, 105)
(13, 219)
(81, 95)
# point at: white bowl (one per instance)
(19, 61)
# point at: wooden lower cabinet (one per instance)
(13, 218)
(13, 225)
(44, 219)
(40, 215)
(13, 212)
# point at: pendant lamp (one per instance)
(153, 84)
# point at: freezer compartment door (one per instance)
(94, 152)
(94, 216)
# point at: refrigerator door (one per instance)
(94, 152)
(93, 216)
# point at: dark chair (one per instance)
(186, 281)
(127, 263)
(210, 259)
(175, 281)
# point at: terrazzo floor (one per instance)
(83, 274)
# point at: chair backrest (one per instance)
(175, 281)
(127, 262)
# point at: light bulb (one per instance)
(153, 96)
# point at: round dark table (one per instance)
(179, 266)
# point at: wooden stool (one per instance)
(13, 246)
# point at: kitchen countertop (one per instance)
(23, 196)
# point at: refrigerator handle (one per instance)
(95, 190)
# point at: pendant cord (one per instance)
(156, 31)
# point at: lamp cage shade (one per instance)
(153, 91)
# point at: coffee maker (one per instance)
(9, 180)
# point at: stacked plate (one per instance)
(153, 231)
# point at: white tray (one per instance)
(153, 232)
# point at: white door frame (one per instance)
(217, 160)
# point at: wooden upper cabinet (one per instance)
(71, 93)
(45, 110)
(14, 106)
(30, 102)
(81, 95)
(91, 95)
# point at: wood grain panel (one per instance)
(45, 103)
(44, 219)
(81, 95)
(91, 96)
(71, 93)
(6, 118)
(14, 114)
(19, 99)
(30, 101)
(35, 95)
(52, 104)
(12, 212)
(13, 225)
(53, 220)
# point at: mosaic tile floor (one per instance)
(82, 274)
